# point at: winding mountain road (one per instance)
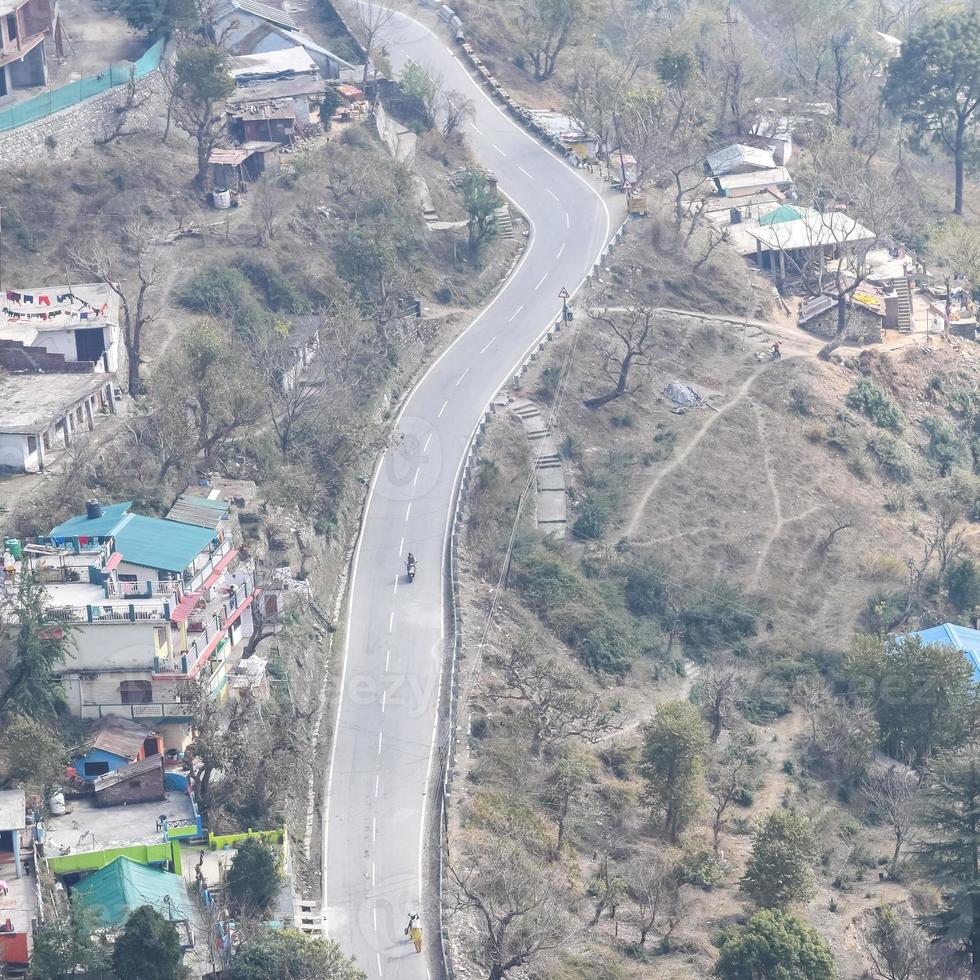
(384, 757)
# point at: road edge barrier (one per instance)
(461, 494)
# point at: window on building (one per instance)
(32, 444)
(135, 692)
(12, 27)
(96, 768)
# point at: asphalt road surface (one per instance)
(384, 753)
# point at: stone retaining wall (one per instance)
(58, 136)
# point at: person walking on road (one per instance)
(414, 931)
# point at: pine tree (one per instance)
(949, 851)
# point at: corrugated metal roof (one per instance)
(152, 763)
(114, 892)
(737, 155)
(810, 229)
(266, 12)
(198, 510)
(782, 214)
(961, 638)
(118, 736)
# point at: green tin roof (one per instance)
(781, 215)
(114, 892)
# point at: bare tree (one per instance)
(547, 27)
(554, 706)
(724, 686)
(840, 520)
(727, 777)
(115, 126)
(370, 21)
(652, 887)
(564, 786)
(100, 259)
(607, 889)
(847, 734)
(811, 694)
(894, 793)
(520, 904)
(624, 339)
(897, 947)
(455, 109)
(946, 532)
(268, 205)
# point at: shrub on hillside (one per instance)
(869, 398)
(947, 447)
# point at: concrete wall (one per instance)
(14, 456)
(16, 356)
(57, 137)
(112, 645)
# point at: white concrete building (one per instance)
(42, 414)
(76, 323)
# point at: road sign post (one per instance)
(565, 313)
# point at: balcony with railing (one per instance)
(110, 612)
(205, 630)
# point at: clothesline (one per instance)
(89, 311)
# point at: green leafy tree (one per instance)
(547, 27)
(481, 200)
(31, 648)
(718, 620)
(288, 954)
(158, 16)
(330, 101)
(255, 877)
(774, 946)
(65, 947)
(935, 85)
(148, 948)
(672, 763)
(963, 582)
(949, 846)
(31, 752)
(419, 90)
(780, 868)
(200, 82)
(922, 695)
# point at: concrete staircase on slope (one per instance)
(502, 219)
(904, 304)
(551, 500)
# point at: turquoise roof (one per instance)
(152, 542)
(100, 527)
(959, 637)
(781, 215)
(114, 892)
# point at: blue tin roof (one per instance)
(959, 637)
(152, 542)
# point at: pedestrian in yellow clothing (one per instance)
(414, 931)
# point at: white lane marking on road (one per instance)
(500, 151)
(514, 315)
(441, 410)
(374, 911)
(401, 545)
(487, 347)
(428, 439)
(415, 479)
(391, 620)
(562, 249)
(387, 658)
(463, 375)
(568, 221)
(384, 700)
(394, 591)
(482, 94)
(377, 783)
(541, 283)
(552, 193)
(476, 129)
(380, 974)
(523, 171)
(374, 836)
(381, 736)
(408, 510)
